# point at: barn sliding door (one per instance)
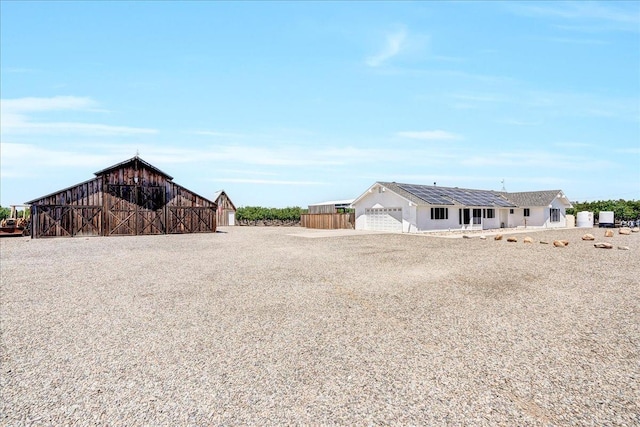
(190, 219)
(133, 210)
(151, 218)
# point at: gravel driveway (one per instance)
(263, 326)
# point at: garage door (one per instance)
(384, 219)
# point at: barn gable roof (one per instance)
(138, 162)
(35, 201)
(219, 194)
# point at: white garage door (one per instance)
(384, 219)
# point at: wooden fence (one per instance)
(327, 221)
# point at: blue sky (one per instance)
(292, 103)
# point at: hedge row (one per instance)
(258, 213)
(622, 209)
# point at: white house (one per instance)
(410, 208)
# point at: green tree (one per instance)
(4, 213)
(622, 209)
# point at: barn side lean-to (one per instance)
(129, 198)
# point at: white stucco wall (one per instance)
(385, 199)
(418, 218)
(425, 223)
(492, 223)
(539, 216)
(563, 215)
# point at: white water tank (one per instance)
(585, 219)
(605, 219)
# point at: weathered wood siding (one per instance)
(328, 221)
(322, 209)
(225, 207)
(128, 200)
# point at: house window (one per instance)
(510, 211)
(555, 215)
(477, 214)
(491, 213)
(527, 212)
(439, 213)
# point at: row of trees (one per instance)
(258, 213)
(622, 209)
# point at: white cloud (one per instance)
(592, 16)
(633, 150)
(16, 157)
(267, 181)
(17, 118)
(18, 70)
(536, 159)
(429, 135)
(484, 97)
(567, 40)
(17, 125)
(393, 45)
(516, 122)
(574, 145)
(219, 134)
(56, 103)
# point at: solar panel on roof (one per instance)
(450, 196)
(477, 198)
(447, 196)
(431, 195)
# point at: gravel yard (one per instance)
(264, 326)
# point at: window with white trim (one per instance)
(491, 213)
(527, 212)
(439, 213)
(554, 215)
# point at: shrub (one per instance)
(259, 213)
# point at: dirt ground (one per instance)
(283, 325)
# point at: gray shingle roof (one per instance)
(532, 198)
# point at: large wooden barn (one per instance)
(129, 198)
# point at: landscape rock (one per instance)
(603, 245)
(498, 237)
(512, 239)
(528, 240)
(483, 237)
(625, 231)
(566, 242)
(544, 242)
(588, 236)
(559, 244)
(635, 230)
(623, 248)
(608, 233)
(466, 236)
